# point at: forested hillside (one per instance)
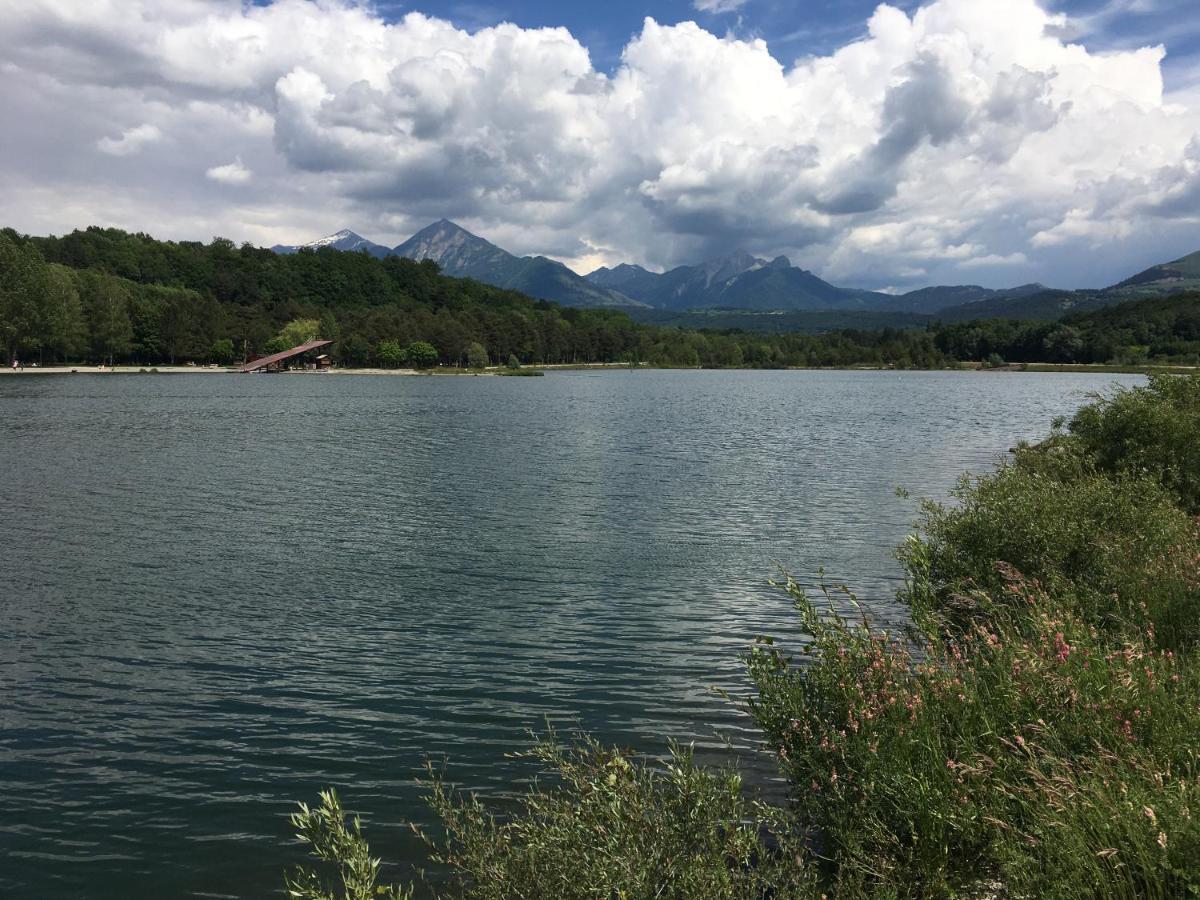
(105, 294)
(1160, 329)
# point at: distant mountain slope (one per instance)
(932, 300)
(809, 321)
(1169, 317)
(743, 282)
(1044, 306)
(464, 255)
(737, 281)
(344, 240)
(634, 281)
(458, 252)
(1181, 275)
(1162, 280)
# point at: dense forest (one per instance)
(107, 295)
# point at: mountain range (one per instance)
(461, 254)
(742, 284)
(344, 240)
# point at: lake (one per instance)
(221, 594)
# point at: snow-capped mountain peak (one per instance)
(345, 240)
(338, 239)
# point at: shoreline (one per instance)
(1039, 368)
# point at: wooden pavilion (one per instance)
(277, 362)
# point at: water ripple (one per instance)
(222, 594)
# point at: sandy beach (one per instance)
(189, 370)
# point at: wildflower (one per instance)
(1061, 648)
(1162, 840)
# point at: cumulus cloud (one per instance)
(130, 141)
(230, 173)
(968, 138)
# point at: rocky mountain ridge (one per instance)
(740, 281)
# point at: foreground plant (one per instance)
(929, 767)
(610, 825)
(331, 840)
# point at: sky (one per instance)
(891, 146)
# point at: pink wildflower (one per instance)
(1061, 648)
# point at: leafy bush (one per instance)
(1105, 546)
(929, 769)
(222, 351)
(612, 826)
(421, 355)
(331, 840)
(390, 354)
(297, 332)
(477, 356)
(615, 826)
(1152, 430)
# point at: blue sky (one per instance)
(798, 28)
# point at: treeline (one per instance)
(106, 294)
(1160, 329)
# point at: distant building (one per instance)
(277, 362)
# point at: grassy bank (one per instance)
(1032, 734)
(1130, 369)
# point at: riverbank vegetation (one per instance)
(107, 295)
(1032, 733)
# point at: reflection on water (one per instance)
(221, 594)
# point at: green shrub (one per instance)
(615, 826)
(1117, 826)
(222, 351)
(611, 826)
(1153, 430)
(421, 355)
(930, 768)
(477, 356)
(343, 846)
(390, 354)
(1107, 546)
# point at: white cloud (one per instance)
(230, 173)
(716, 7)
(966, 139)
(130, 142)
(994, 259)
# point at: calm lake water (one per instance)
(220, 594)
